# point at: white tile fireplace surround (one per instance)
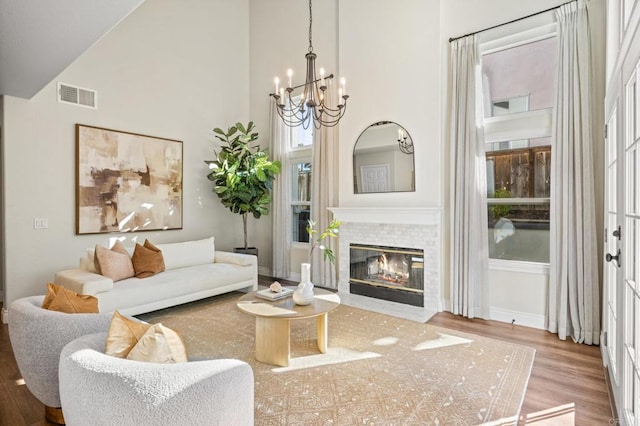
(417, 228)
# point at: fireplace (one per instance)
(416, 227)
(395, 274)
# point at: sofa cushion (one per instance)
(147, 260)
(115, 263)
(173, 284)
(83, 282)
(188, 253)
(61, 299)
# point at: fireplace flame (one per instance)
(383, 264)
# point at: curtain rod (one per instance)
(511, 22)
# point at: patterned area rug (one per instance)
(378, 370)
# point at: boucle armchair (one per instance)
(37, 336)
(99, 389)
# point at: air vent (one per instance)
(74, 95)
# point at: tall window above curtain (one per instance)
(518, 85)
(300, 174)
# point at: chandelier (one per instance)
(311, 105)
(406, 146)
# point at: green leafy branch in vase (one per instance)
(317, 239)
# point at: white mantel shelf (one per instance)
(392, 215)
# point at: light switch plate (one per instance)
(40, 223)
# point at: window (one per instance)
(518, 83)
(301, 143)
(300, 200)
(301, 138)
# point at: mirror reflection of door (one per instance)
(383, 159)
(375, 178)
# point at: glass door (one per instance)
(630, 192)
(611, 247)
(621, 296)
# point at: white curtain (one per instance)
(469, 244)
(281, 198)
(574, 301)
(324, 164)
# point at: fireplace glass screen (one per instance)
(390, 273)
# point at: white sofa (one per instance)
(193, 270)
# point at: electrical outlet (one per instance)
(40, 223)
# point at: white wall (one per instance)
(389, 53)
(519, 296)
(173, 69)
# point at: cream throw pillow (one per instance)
(189, 253)
(135, 340)
(115, 263)
(159, 344)
(123, 335)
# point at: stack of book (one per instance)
(269, 294)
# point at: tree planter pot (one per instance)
(248, 250)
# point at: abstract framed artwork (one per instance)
(126, 182)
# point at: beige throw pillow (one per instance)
(159, 344)
(115, 263)
(131, 339)
(123, 335)
(147, 260)
(61, 299)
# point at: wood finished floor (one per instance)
(567, 384)
(564, 373)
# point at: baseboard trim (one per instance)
(518, 318)
(295, 277)
(263, 270)
(612, 400)
(606, 365)
(5, 316)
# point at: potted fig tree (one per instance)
(243, 175)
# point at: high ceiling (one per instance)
(40, 38)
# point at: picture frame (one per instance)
(127, 182)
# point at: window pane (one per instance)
(301, 199)
(300, 216)
(519, 173)
(519, 232)
(301, 182)
(299, 136)
(507, 89)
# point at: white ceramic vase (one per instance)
(303, 295)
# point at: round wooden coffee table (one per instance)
(273, 323)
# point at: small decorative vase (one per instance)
(303, 295)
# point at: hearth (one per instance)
(389, 273)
